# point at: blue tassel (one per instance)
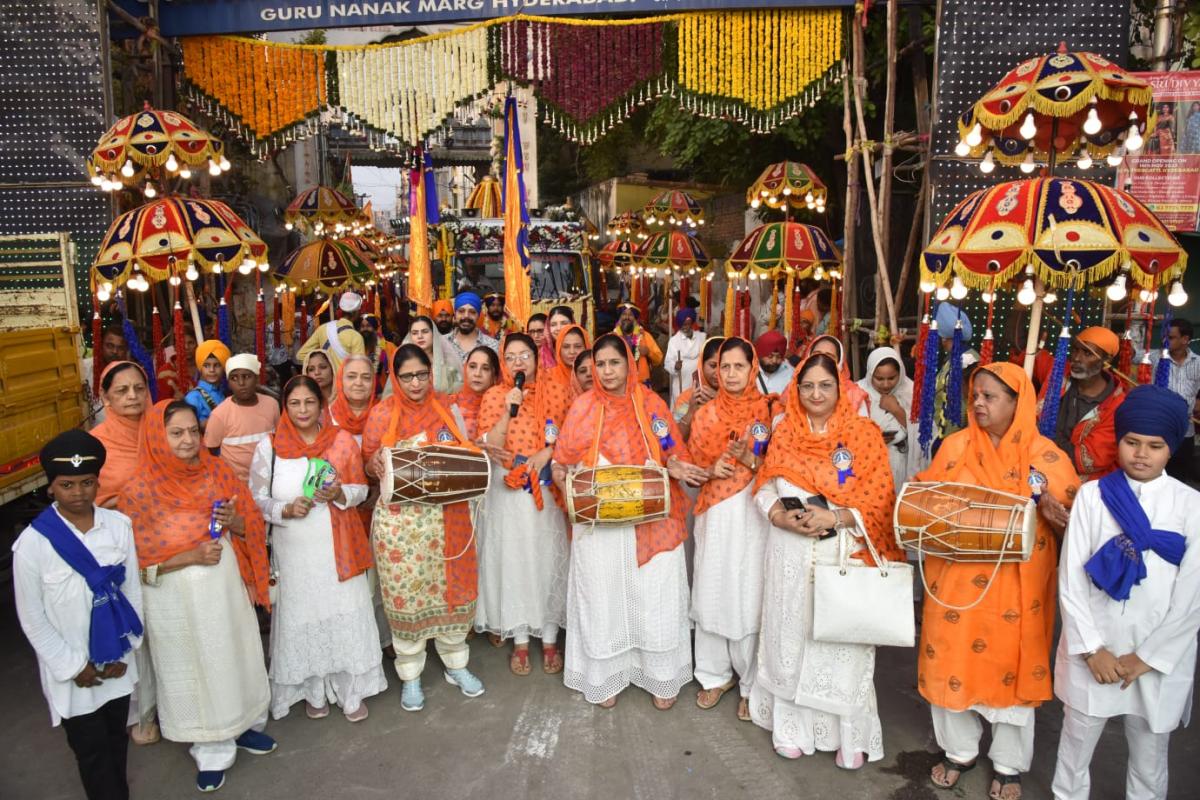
(1049, 420)
(223, 332)
(139, 352)
(930, 357)
(1162, 370)
(954, 395)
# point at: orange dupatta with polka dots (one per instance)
(712, 427)
(998, 652)
(545, 399)
(857, 396)
(805, 458)
(169, 502)
(617, 427)
(399, 419)
(563, 373)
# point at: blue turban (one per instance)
(468, 299)
(1153, 411)
(684, 313)
(631, 308)
(947, 314)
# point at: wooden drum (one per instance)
(433, 475)
(960, 522)
(618, 495)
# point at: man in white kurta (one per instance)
(683, 353)
(1155, 626)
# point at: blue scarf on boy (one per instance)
(1118, 565)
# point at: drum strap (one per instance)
(986, 589)
(446, 416)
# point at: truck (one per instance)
(42, 392)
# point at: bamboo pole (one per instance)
(852, 202)
(910, 248)
(889, 133)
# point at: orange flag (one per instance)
(516, 221)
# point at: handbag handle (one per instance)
(881, 563)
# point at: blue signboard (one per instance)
(198, 17)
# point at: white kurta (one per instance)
(687, 350)
(208, 656)
(54, 605)
(523, 562)
(324, 639)
(776, 382)
(1159, 621)
(812, 695)
(727, 576)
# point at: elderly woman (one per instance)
(683, 352)
(826, 476)
(355, 397)
(987, 656)
(522, 535)
(324, 643)
(425, 554)
(628, 597)
(447, 368)
(202, 565)
(729, 439)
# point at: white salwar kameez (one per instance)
(904, 450)
(523, 562)
(324, 641)
(687, 350)
(727, 586)
(208, 659)
(811, 695)
(1159, 622)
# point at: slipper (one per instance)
(518, 662)
(552, 660)
(496, 639)
(663, 703)
(949, 766)
(708, 698)
(358, 714)
(316, 712)
(1000, 783)
(860, 758)
(145, 733)
(743, 712)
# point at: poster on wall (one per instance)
(1165, 175)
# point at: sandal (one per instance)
(1001, 782)
(857, 762)
(949, 766)
(552, 660)
(743, 712)
(518, 662)
(145, 733)
(708, 698)
(609, 703)
(496, 639)
(663, 703)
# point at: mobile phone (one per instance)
(816, 501)
(792, 503)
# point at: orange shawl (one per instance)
(618, 428)
(399, 419)
(170, 503)
(805, 458)
(468, 403)
(340, 411)
(712, 427)
(997, 653)
(854, 393)
(563, 373)
(120, 439)
(545, 399)
(351, 548)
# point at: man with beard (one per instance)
(1089, 404)
(496, 322)
(775, 372)
(466, 336)
(641, 343)
(443, 316)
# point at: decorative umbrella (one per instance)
(325, 265)
(1058, 105)
(486, 197)
(617, 254)
(788, 183)
(790, 248)
(674, 250)
(1072, 233)
(675, 208)
(321, 208)
(144, 144)
(628, 224)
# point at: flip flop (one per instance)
(518, 662)
(949, 766)
(705, 698)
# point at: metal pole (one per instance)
(1164, 12)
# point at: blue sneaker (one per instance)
(412, 698)
(256, 742)
(465, 681)
(210, 780)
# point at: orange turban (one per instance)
(211, 347)
(442, 305)
(1101, 339)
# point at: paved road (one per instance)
(532, 738)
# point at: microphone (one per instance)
(519, 380)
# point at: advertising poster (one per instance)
(1165, 175)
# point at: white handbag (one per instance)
(856, 603)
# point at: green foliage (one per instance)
(315, 36)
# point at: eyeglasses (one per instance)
(413, 377)
(533, 331)
(518, 357)
(809, 389)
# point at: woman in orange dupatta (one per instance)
(198, 583)
(831, 346)
(424, 554)
(324, 642)
(481, 370)
(992, 661)
(126, 395)
(813, 695)
(703, 388)
(523, 535)
(729, 439)
(627, 602)
(571, 342)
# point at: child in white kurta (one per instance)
(1132, 655)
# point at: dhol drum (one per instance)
(434, 475)
(618, 495)
(960, 522)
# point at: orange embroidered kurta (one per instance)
(998, 653)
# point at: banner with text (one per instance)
(1166, 174)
